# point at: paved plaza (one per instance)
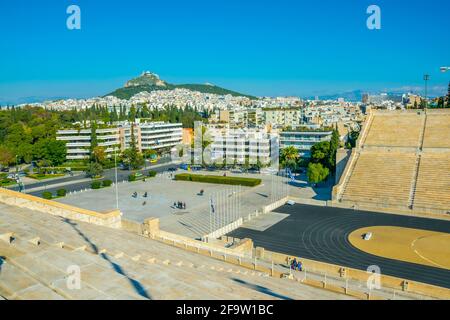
(194, 221)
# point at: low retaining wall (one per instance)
(111, 219)
(224, 230)
(150, 229)
(359, 275)
(275, 205)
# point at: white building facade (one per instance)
(156, 136)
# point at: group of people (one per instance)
(296, 265)
(135, 195)
(180, 205)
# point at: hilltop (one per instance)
(149, 82)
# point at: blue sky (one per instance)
(283, 47)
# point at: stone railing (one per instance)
(398, 284)
(110, 219)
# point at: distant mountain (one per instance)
(149, 82)
(356, 95)
(31, 99)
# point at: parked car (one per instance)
(123, 167)
(4, 169)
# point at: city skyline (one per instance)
(267, 50)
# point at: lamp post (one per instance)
(426, 78)
(115, 170)
(444, 70)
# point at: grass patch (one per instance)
(236, 181)
(38, 176)
(7, 182)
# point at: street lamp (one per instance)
(115, 169)
(444, 69)
(426, 78)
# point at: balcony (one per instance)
(74, 138)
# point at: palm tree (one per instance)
(289, 156)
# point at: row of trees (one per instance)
(322, 162)
(170, 113)
(28, 134)
(323, 159)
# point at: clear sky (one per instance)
(282, 47)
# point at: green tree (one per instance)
(94, 141)
(289, 157)
(131, 156)
(320, 151)
(6, 156)
(54, 151)
(440, 103)
(94, 170)
(99, 155)
(317, 173)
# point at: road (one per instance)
(321, 233)
(80, 182)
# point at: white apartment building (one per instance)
(238, 146)
(148, 135)
(78, 142)
(282, 117)
(152, 135)
(239, 118)
(303, 140)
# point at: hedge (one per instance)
(62, 169)
(247, 182)
(133, 177)
(107, 183)
(47, 195)
(96, 185)
(4, 182)
(152, 173)
(61, 193)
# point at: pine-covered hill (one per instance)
(128, 92)
(150, 82)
